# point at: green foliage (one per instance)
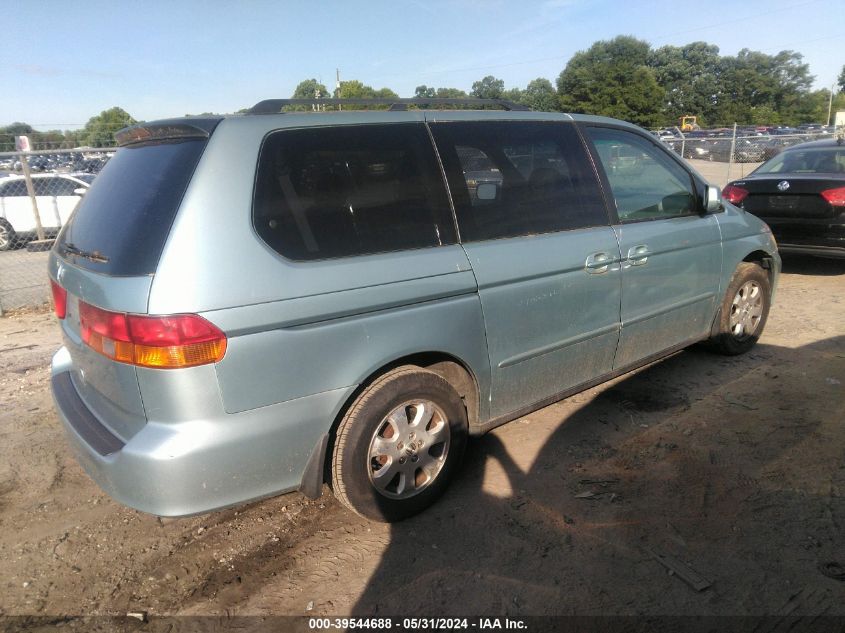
(752, 80)
(540, 95)
(841, 80)
(488, 88)
(688, 75)
(17, 128)
(514, 94)
(99, 131)
(51, 139)
(612, 78)
(451, 93)
(310, 89)
(425, 92)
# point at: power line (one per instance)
(735, 19)
(557, 57)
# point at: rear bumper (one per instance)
(196, 466)
(812, 236)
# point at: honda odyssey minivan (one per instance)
(267, 302)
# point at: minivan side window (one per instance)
(14, 188)
(53, 187)
(513, 178)
(63, 187)
(352, 190)
(646, 183)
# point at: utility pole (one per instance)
(337, 87)
(830, 103)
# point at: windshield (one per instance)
(820, 160)
(125, 217)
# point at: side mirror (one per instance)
(487, 191)
(80, 191)
(713, 200)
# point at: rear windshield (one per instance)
(125, 216)
(830, 160)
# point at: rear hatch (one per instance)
(107, 253)
(768, 197)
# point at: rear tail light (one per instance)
(836, 197)
(163, 342)
(734, 194)
(59, 299)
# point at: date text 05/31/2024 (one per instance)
(416, 624)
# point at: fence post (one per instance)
(733, 149)
(31, 191)
(683, 141)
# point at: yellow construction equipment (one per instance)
(689, 123)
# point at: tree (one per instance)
(385, 93)
(689, 76)
(488, 88)
(841, 80)
(612, 78)
(354, 89)
(99, 131)
(514, 95)
(540, 95)
(310, 89)
(425, 92)
(17, 128)
(451, 93)
(753, 79)
(812, 107)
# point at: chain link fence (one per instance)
(740, 149)
(40, 189)
(38, 192)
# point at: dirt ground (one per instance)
(734, 467)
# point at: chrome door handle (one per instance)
(638, 255)
(598, 263)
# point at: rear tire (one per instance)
(399, 445)
(745, 309)
(7, 235)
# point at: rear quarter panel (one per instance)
(301, 328)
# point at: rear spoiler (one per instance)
(169, 130)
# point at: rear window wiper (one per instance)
(95, 256)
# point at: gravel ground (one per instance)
(734, 467)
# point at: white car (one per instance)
(56, 196)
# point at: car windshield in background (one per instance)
(126, 215)
(828, 160)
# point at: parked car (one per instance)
(800, 194)
(56, 196)
(696, 148)
(776, 144)
(342, 309)
(745, 150)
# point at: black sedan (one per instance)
(800, 194)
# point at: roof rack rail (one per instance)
(274, 106)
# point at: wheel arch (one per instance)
(764, 260)
(760, 257)
(454, 370)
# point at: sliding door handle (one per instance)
(638, 255)
(598, 263)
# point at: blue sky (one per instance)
(64, 62)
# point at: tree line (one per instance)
(624, 78)
(98, 132)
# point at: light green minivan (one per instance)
(268, 302)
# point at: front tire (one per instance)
(745, 309)
(399, 445)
